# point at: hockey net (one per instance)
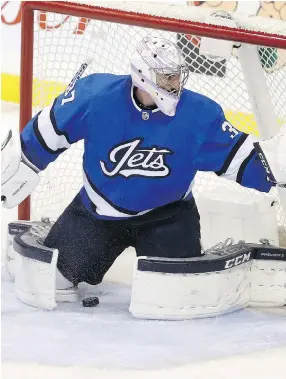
(57, 37)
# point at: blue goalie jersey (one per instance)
(135, 159)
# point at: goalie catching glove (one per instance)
(19, 176)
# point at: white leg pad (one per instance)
(33, 266)
(11, 255)
(185, 296)
(235, 277)
(268, 283)
(35, 281)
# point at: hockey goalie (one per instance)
(145, 137)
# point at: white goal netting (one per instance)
(63, 42)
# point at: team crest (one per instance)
(129, 160)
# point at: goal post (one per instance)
(56, 36)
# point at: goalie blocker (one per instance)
(228, 278)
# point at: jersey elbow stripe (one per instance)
(54, 123)
(48, 135)
(231, 156)
(243, 166)
(238, 158)
(42, 141)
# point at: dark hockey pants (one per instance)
(88, 246)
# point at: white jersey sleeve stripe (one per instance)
(103, 207)
(241, 154)
(51, 137)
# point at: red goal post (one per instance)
(157, 18)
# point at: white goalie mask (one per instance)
(159, 69)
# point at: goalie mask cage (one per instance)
(57, 37)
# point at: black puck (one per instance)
(90, 301)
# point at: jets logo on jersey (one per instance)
(129, 160)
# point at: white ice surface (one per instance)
(106, 341)
(107, 337)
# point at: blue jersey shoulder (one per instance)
(200, 104)
(105, 92)
(200, 113)
(104, 84)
